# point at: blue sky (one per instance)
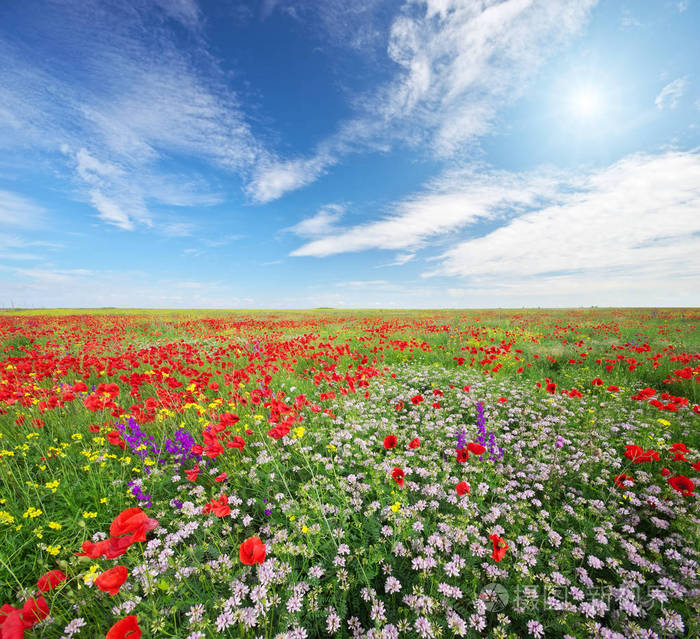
(296, 153)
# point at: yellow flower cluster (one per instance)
(32, 512)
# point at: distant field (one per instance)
(498, 473)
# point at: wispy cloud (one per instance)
(19, 211)
(134, 95)
(13, 247)
(671, 93)
(456, 199)
(322, 223)
(634, 223)
(45, 286)
(400, 260)
(455, 64)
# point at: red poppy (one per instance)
(613, 389)
(399, 406)
(679, 447)
(192, 474)
(34, 609)
(416, 399)
(638, 455)
(219, 507)
(115, 438)
(111, 580)
(475, 448)
(436, 405)
(682, 484)
(502, 400)
(499, 547)
(466, 388)
(679, 456)
(696, 465)
(127, 628)
(597, 382)
(50, 580)
(551, 388)
(665, 472)
(236, 442)
(94, 428)
(462, 488)
(621, 479)
(398, 475)
(390, 441)
(462, 455)
(221, 477)
(252, 551)
(132, 520)
(414, 443)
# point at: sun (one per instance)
(586, 103)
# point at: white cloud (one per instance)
(456, 63)
(632, 225)
(456, 199)
(48, 287)
(671, 93)
(176, 229)
(19, 211)
(323, 223)
(134, 95)
(273, 178)
(13, 247)
(400, 260)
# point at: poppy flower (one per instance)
(127, 628)
(682, 484)
(34, 609)
(462, 455)
(462, 488)
(94, 428)
(416, 399)
(502, 400)
(475, 448)
(399, 406)
(679, 447)
(613, 389)
(115, 438)
(398, 475)
(111, 580)
(499, 547)
(665, 472)
(192, 474)
(50, 580)
(218, 506)
(221, 477)
(621, 479)
(638, 455)
(414, 443)
(236, 442)
(551, 388)
(252, 551)
(390, 441)
(466, 388)
(132, 520)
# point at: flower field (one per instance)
(411, 474)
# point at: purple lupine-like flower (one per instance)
(137, 492)
(488, 440)
(461, 439)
